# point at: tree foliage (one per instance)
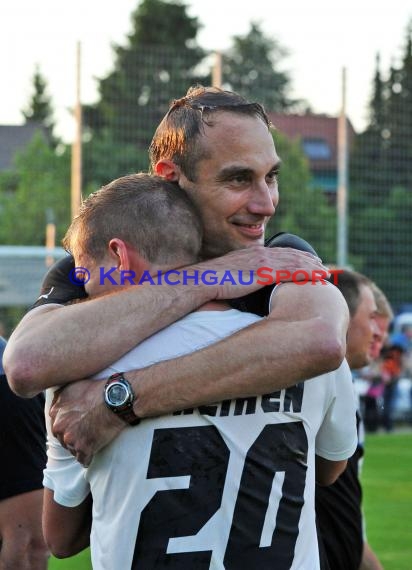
(41, 192)
(252, 68)
(157, 64)
(381, 180)
(39, 108)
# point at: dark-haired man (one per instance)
(338, 507)
(220, 486)
(218, 147)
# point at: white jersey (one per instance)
(229, 485)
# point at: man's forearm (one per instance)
(66, 529)
(73, 342)
(240, 366)
(270, 355)
(369, 559)
(56, 345)
(328, 471)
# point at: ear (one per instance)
(168, 169)
(126, 258)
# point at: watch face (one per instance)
(117, 394)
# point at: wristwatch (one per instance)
(119, 398)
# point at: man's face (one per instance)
(382, 324)
(362, 330)
(236, 187)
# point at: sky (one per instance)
(321, 36)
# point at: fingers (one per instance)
(83, 457)
(56, 402)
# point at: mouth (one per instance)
(255, 231)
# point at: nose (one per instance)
(264, 199)
(377, 333)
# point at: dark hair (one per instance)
(349, 284)
(177, 136)
(151, 214)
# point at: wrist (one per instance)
(194, 291)
(110, 420)
(119, 398)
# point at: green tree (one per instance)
(251, 67)
(380, 237)
(383, 152)
(399, 119)
(42, 189)
(39, 108)
(368, 166)
(157, 65)
(381, 182)
(302, 210)
(105, 159)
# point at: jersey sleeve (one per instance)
(337, 437)
(63, 474)
(59, 286)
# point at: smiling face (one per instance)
(235, 187)
(362, 331)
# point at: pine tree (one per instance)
(381, 182)
(369, 183)
(399, 119)
(251, 68)
(39, 108)
(157, 64)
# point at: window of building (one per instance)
(316, 149)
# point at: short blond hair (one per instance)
(153, 215)
(384, 308)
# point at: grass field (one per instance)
(387, 487)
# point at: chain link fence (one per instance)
(117, 130)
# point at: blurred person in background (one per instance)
(372, 401)
(383, 318)
(339, 506)
(23, 458)
(392, 367)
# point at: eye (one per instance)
(272, 177)
(240, 178)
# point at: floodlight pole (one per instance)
(342, 197)
(76, 170)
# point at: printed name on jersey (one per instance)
(286, 400)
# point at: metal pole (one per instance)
(76, 177)
(342, 198)
(50, 236)
(217, 70)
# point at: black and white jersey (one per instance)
(229, 485)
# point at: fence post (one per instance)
(76, 166)
(342, 197)
(217, 70)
